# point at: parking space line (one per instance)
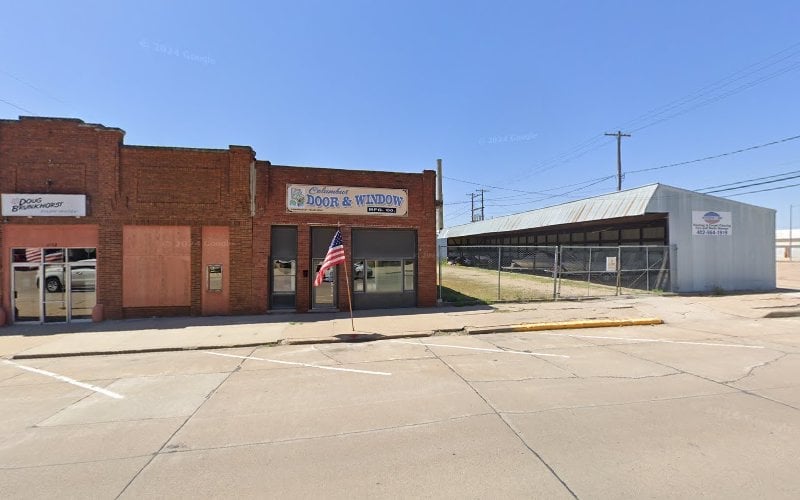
(351, 370)
(68, 380)
(665, 341)
(482, 349)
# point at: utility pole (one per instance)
(619, 135)
(474, 195)
(482, 191)
(472, 211)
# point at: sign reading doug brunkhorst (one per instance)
(346, 200)
(44, 205)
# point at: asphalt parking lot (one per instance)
(691, 408)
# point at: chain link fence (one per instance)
(474, 274)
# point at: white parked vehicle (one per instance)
(83, 276)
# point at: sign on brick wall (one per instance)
(346, 200)
(44, 205)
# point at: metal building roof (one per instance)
(627, 203)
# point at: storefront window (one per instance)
(54, 255)
(383, 276)
(283, 287)
(360, 276)
(384, 268)
(78, 254)
(408, 273)
(283, 276)
(54, 284)
(387, 276)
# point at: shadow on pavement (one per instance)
(174, 323)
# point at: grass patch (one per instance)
(471, 285)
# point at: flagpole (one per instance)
(349, 299)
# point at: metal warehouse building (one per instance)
(714, 243)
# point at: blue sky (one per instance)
(514, 96)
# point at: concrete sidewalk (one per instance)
(169, 334)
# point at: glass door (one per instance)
(53, 285)
(82, 288)
(56, 284)
(284, 272)
(324, 295)
(26, 293)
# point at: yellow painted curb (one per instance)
(589, 323)
(566, 325)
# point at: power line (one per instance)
(18, 107)
(706, 95)
(590, 182)
(729, 153)
(718, 86)
(748, 180)
(595, 181)
(764, 190)
(558, 195)
(37, 89)
(493, 187)
(753, 184)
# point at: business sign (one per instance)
(711, 223)
(44, 205)
(346, 200)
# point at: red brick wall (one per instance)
(195, 187)
(66, 156)
(421, 216)
(141, 185)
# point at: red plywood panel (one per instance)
(156, 266)
(156, 240)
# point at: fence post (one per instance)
(619, 269)
(499, 256)
(647, 267)
(589, 275)
(673, 266)
(556, 274)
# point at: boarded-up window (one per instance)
(156, 266)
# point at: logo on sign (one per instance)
(712, 218)
(298, 198)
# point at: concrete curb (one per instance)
(567, 325)
(355, 337)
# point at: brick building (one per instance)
(94, 228)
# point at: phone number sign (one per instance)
(711, 223)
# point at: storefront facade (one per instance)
(93, 228)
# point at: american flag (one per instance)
(334, 257)
(35, 255)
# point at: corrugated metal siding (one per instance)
(744, 260)
(630, 202)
